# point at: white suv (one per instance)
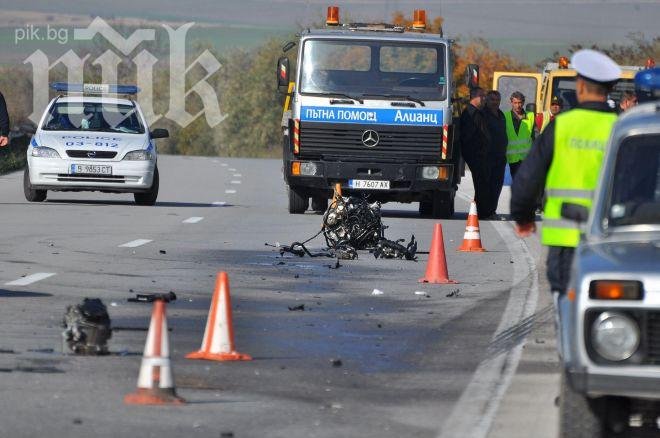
(88, 141)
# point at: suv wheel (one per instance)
(31, 194)
(149, 198)
(579, 415)
(298, 203)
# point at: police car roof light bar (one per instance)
(65, 87)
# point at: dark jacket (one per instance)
(4, 117)
(474, 135)
(498, 138)
(530, 179)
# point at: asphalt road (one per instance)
(478, 363)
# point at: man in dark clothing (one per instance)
(4, 122)
(474, 148)
(497, 149)
(570, 175)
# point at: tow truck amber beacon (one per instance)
(370, 108)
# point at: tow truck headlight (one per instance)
(615, 336)
(140, 155)
(44, 152)
(305, 168)
(433, 172)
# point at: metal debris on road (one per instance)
(299, 308)
(150, 298)
(351, 224)
(454, 293)
(377, 292)
(87, 327)
(336, 362)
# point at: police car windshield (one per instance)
(636, 185)
(375, 68)
(93, 116)
(564, 88)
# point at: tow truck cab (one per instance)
(370, 108)
(556, 79)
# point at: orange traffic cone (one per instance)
(472, 238)
(155, 383)
(218, 342)
(436, 267)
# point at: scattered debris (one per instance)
(227, 434)
(3, 351)
(87, 327)
(150, 298)
(540, 341)
(336, 363)
(41, 350)
(162, 251)
(377, 292)
(351, 224)
(420, 292)
(335, 266)
(454, 293)
(300, 308)
(77, 421)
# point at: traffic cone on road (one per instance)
(218, 342)
(472, 238)
(155, 383)
(436, 267)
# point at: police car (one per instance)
(610, 315)
(91, 138)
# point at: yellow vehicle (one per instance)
(556, 79)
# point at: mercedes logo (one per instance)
(91, 154)
(370, 138)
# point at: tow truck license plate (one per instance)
(91, 169)
(369, 184)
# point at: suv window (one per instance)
(635, 197)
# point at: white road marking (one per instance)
(235, 182)
(475, 411)
(219, 203)
(238, 175)
(135, 243)
(230, 191)
(193, 220)
(24, 281)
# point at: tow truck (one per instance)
(556, 79)
(370, 109)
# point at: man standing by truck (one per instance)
(519, 130)
(567, 158)
(475, 141)
(498, 143)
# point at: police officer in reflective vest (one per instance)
(567, 158)
(519, 130)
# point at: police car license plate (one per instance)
(369, 184)
(91, 169)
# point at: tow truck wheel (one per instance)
(319, 204)
(442, 205)
(31, 194)
(425, 208)
(579, 416)
(149, 198)
(298, 203)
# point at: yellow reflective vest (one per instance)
(519, 142)
(581, 137)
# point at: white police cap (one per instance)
(595, 66)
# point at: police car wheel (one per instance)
(319, 204)
(149, 198)
(31, 194)
(298, 202)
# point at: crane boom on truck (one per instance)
(370, 108)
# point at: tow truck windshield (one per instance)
(378, 69)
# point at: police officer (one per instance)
(567, 157)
